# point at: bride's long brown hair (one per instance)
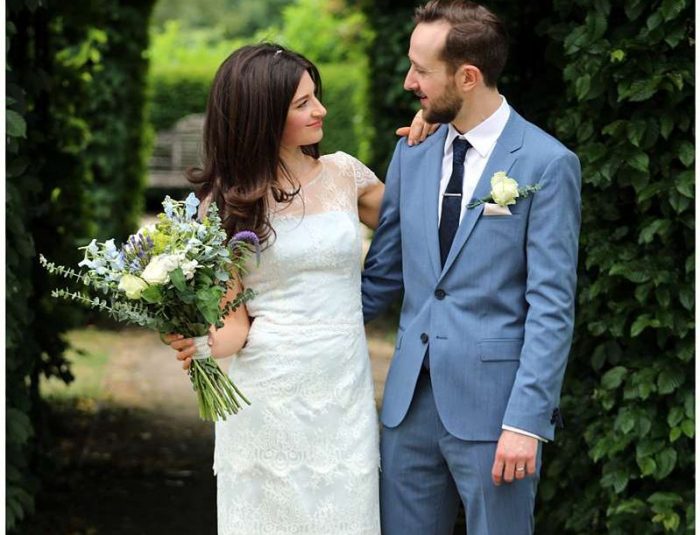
(246, 113)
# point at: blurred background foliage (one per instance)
(613, 80)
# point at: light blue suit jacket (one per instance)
(498, 317)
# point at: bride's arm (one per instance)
(225, 341)
(369, 200)
(230, 338)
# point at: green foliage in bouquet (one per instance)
(175, 276)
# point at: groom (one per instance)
(479, 229)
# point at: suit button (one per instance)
(440, 294)
(424, 338)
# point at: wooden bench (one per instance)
(174, 151)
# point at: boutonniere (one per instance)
(505, 191)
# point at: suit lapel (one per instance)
(429, 169)
(502, 159)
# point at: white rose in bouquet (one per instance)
(188, 268)
(132, 286)
(158, 269)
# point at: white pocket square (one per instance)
(495, 209)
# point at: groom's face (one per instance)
(429, 77)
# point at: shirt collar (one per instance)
(484, 135)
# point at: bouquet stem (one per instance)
(217, 396)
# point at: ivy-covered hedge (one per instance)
(75, 165)
(615, 83)
(629, 394)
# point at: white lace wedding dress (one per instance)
(304, 457)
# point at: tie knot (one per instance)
(459, 149)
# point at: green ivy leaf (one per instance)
(613, 377)
(617, 479)
(641, 323)
(686, 153)
(625, 421)
(670, 9)
(664, 500)
(647, 465)
(583, 86)
(639, 161)
(18, 426)
(688, 428)
(634, 8)
(689, 405)
(633, 506)
(675, 434)
(685, 183)
(15, 124)
(665, 462)
(617, 55)
(669, 380)
(666, 123)
(635, 132)
(675, 416)
(658, 226)
(654, 20)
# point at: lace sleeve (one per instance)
(363, 175)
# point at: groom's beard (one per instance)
(444, 109)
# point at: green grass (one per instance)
(89, 355)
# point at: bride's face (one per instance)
(304, 124)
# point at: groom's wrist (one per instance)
(523, 432)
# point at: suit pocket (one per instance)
(500, 349)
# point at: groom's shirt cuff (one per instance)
(516, 430)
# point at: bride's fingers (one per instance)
(180, 345)
(168, 338)
(186, 353)
(186, 364)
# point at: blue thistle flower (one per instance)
(168, 206)
(191, 204)
(246, 236)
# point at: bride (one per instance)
(304, 457)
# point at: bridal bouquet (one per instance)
(171, 276)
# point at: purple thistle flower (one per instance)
(246, 236)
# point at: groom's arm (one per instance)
(552, 253)
(382, 278)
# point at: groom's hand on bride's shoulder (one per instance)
(418, 131)
(516, 457)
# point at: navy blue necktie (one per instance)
(451, 207)
(452, 198)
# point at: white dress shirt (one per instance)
(483, 139)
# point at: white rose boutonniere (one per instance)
(505, 191)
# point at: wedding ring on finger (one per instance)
(519, 468)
